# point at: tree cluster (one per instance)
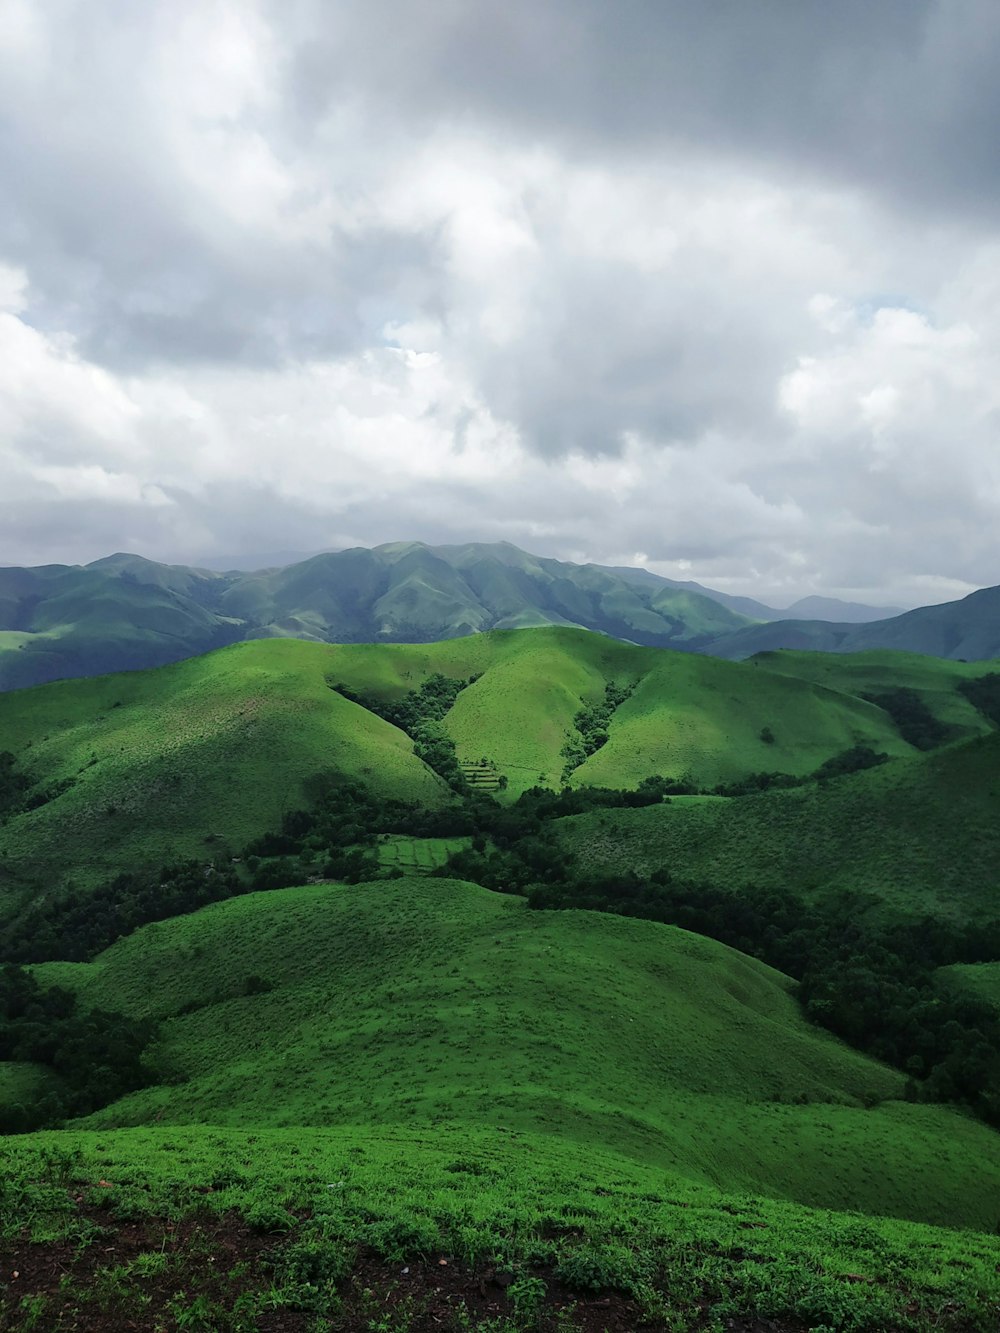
(96, 1055)
(984, 694)
(13, 784)
(20, 792)
(854, 760)
(591, 724)
(912, 718)
(420, 713)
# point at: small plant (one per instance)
(150, 1264)
(527, 1296)
(268, 1218)
(593, 1267)
(32, 1308)
(200, 1316)
(308, 1272)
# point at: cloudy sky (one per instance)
(711, 286)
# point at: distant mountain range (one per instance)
(126, 612)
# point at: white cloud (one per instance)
(264, 283)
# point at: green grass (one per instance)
(981, 979)
(422, 1067)
(524, 1202)
(196, 758)
(434, 1003)
(417, 855)
(699, 717)
(934, 679)
(688, 714)
(188, 760)
(23, 1082)
(922, 834)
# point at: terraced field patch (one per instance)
(416, 856)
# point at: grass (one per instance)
(687, 715)
(434, 1003)
(24, 1082)
(934, 680)
(417, 855)
(921, 834)
(981, 979)
(188, 760)
(685, 1255)
(154, 756)
(418, 1069)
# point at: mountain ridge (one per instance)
(124, 612)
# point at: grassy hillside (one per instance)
(979, 979)
(462, 1230)
(187, 760)
(966, 630)
(876, 672)
(687, 714)
(381, 1096)
(697, 717)
(417, 1002)
(922, 834)
(199, 757)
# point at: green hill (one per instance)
(922, 835)
(200, 756)
(434, 1002)
(187, 760)
(966, 630)
(125, 612)
(878, 672)
(413, 1103)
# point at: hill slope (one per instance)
(922, 834)
(187, 760)
(416, 1002)
(125, 612)
(966, 630)
(150, 758)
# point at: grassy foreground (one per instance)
(534, 1235)
(430, 1002)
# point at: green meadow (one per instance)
(634, 1125)
(417, 1001)
(416, 855)
(196, 758)
(921, 834)
(547, 1218)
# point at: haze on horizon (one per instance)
(709, 288)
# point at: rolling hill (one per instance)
(187, 760)
(921, 834)
(196, 758)
(414, 1103)
(966, 630)
(433, 1002)
(125, 612)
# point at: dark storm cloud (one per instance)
(900, 97)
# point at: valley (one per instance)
(534, 924)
